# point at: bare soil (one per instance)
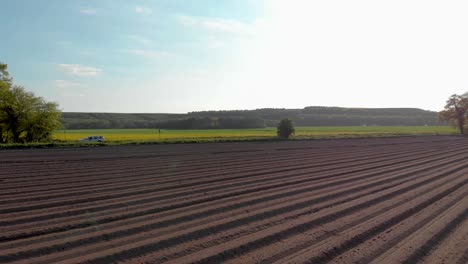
(380, 200)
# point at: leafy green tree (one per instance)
(23, 116)
(285, 128)
(456, 111)
(5, 85)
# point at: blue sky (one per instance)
(188, 55)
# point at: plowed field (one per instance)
(387, 200)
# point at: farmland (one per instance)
(240, 134)
(381, 200)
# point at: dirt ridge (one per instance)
(360, 200)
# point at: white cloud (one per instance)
(88, 11)
(151, 54)
(217, 24)
(79, 70)
(143, 10)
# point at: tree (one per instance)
(5, 85)
(5, 79)
(23, 116)
(456, 111)
(285, 128)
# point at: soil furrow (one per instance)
(191, 214)
(334, 231)
(289, 208)
(332, 253)
(424, 250)
(267, 240)
(197, 180)
(273, 234)
(385, 200)
(157, 210)
(108, 197)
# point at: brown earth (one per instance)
(385, 200)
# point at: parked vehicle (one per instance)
(93, 139)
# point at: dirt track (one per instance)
(388, 200)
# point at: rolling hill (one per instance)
(308, 116)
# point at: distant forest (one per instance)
(259, 118)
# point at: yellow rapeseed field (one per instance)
(213, 134)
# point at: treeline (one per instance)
(183, 123)
(72, 120)
(259, 118)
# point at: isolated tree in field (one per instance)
(285, 128)
(23, 116)
(456, 111)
